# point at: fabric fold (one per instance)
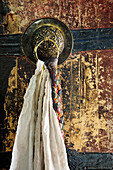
(39, 144)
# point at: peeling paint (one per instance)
(76, 14)
(87, 83)
(86, 126)
(17, 84)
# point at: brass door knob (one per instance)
(46, 38)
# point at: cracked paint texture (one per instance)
(17, 84)
(87, 89)
(87, 100)
(87, 77)
(76, 14)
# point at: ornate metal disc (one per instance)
(52, 38)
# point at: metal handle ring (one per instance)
(36, 47)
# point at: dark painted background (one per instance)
(86, 77)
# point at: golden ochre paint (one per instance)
(86, 95)
(83, 126)
(13, 105)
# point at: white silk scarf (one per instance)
(39, 144)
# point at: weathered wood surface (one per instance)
(15, 74)
(86, 76)
(87, 99)
(77, 14)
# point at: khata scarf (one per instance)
(39, 144)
